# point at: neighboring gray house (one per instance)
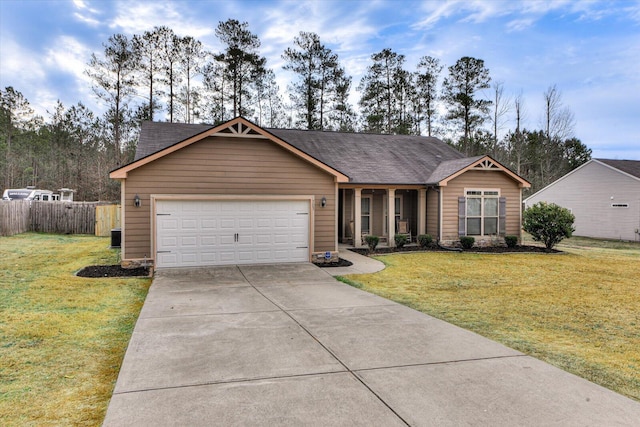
(604, 196)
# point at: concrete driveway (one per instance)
(289, 345)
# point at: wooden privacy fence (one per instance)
(63, 217)
(14, 217)
(58, 217)
(107, 218)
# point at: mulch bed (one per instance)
(118, 271)
(112, 271)
(340, 263)
(481, 250)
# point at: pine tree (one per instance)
(113, 83)
(460, 88)
(319, 90)
(386, 94)
(426, 79)
(241, 61)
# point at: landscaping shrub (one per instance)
(467, 242)
(425, 240)
(372, 242)
(511, 241)
(401, 240)
(548, 223)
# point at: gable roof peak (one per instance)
(630, 167)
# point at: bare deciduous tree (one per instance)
(558, 121)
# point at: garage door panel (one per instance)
(300, 222)
(208, 257)
(220, 232)
(208, 241)
(209, 224)
(188, 241)
(226, 241)
(168, 223)
(227, 223)
(227, 257)
(264, 223)
(168, 259)
(246, 224)
(189, 258)
(281, 238)
(263, 239)
(168, 241)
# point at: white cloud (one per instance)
(69, 55)
(138, 17)
(633, 12)
(87, 20)
(67, 59)
(436, 12)
(344, 33)
(82, 5)
(86, 14)
(22, 69)
(19, 63)
(519, 24)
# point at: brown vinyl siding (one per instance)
(227, 166)
(377, 213)
(479, 179)
(432, 213)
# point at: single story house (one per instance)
(603, 195)
(237, 193)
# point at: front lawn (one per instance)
(62, 337)
(579, 311)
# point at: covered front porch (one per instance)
(364, 210)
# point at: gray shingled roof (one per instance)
(632, 167)
(449, 167)
(364, 158)
(372, 158)
(155, 136)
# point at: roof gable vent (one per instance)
(487, 164)
(238, 129)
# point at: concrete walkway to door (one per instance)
(289, 345)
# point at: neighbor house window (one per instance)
(482, 212)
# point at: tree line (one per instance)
(160, 76)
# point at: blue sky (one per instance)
(589, 49)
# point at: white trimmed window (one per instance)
(481, 213)
(365, 214)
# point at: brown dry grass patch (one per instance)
(62, 337)
(579, 311)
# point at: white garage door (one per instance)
(199, 233)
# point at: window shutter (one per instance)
(502, 212)
(462, 216)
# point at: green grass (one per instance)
(579, 311)
(62, 337)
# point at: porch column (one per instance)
(422, 211)
(357, 220)
(391, 216)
